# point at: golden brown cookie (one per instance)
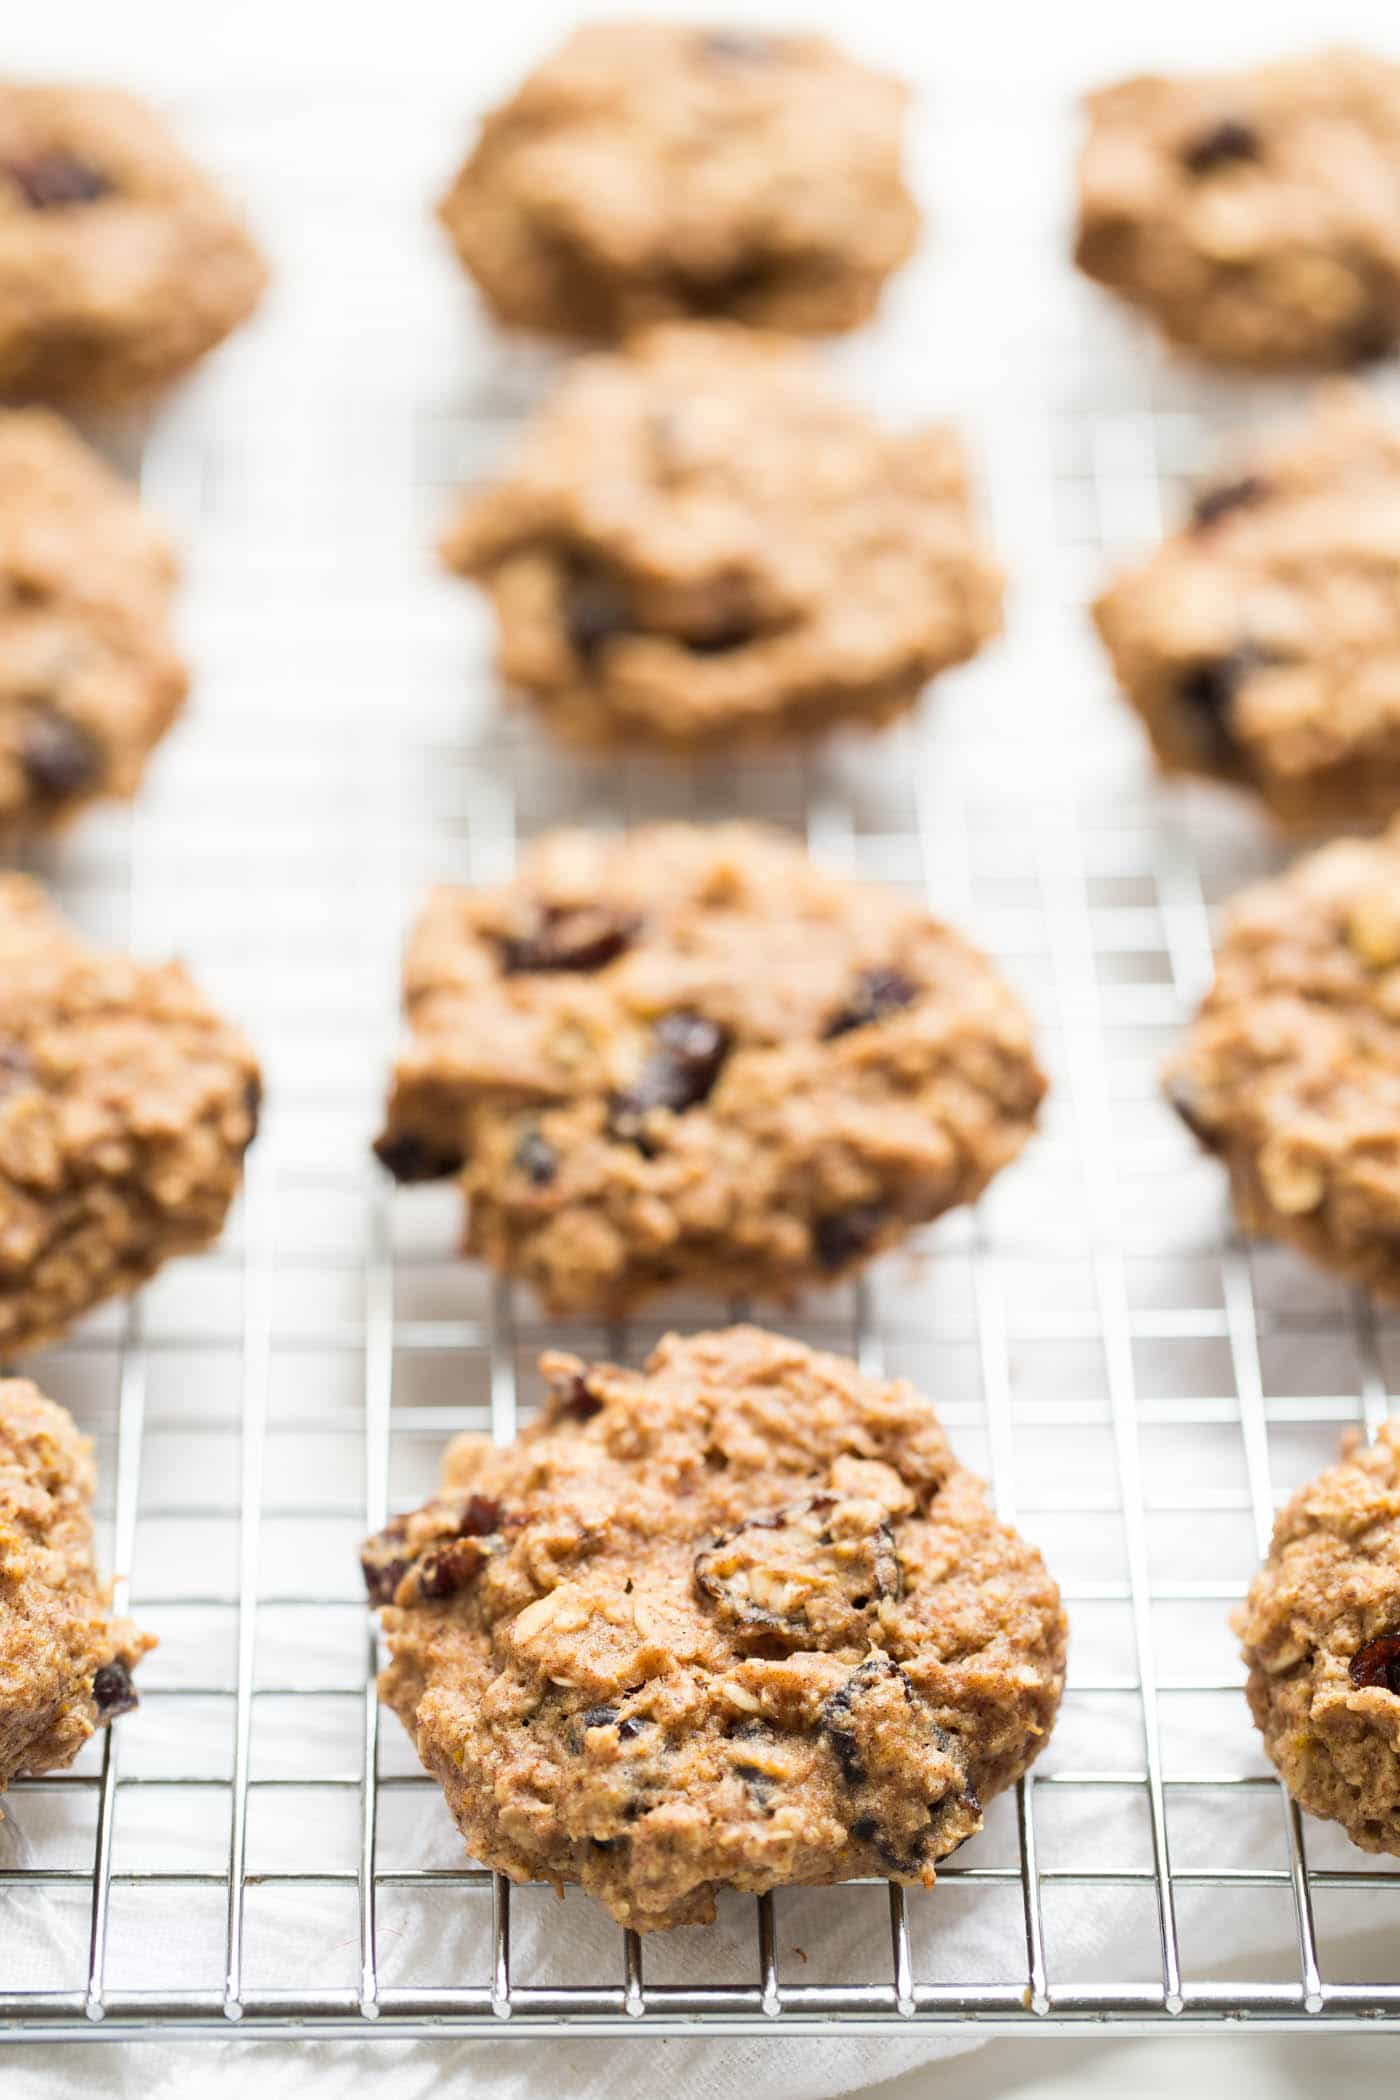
(650, 171)
(1260, 643)
(736, 1621)
(1254, 215)
(689, 1055)
(65, 1663)
(1291, 1070)
(699, 544)
(90, 679)
(120, 262)
(126, 1106)
(1321, 1635)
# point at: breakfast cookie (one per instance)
(737, 1621)
(1254, 215)
(689, 1055)
(65, 1664)
(120, 262)
(90, 678)
(1291, 1070)
(699, 543)
(650, 171)
(1261, 642)
(1321, 1634)
(126, 1106)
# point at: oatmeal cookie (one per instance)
(1254, 215)
(1321, 1635)
(699, 543)
(65, 1663)
(689, 1055)
(1291, 1071)
(90, 679)
(120, 262)
(126, 1105)
(1261, 642)
(650, 171)
(737, 1621)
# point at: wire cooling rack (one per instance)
(255, 1846)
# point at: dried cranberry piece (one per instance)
(60, 757)
(1230, 139)
(679, 1073)
(571, 937)
(50, 180)
(481, 1515)
(1218, 501)
(411, 1158)
(450, 1567)
(578, 1400)
(383, 1561)
(876, 993)
(113, 1691)
(1378, 1664)
(843, 1235)
(536, 1159)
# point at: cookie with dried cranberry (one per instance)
(699, 543)
(689, 1055)
(1291, 1071)
(1259, 641)
(126, 1106)
(739, 1620)
(1253, 215)
(65, 1663)
(121, 264)
(90, 678)
(1321, 1637)
(649, 171)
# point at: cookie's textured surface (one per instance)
(1261, 642)
(1321, 1634)
(89, 676)
(120, 263)
(736, 1622)
(1291, 1071)
(651, 172)
(699, 542)
(1254, 215)
(65, 1664)
(126, 1106)
(690, 1055)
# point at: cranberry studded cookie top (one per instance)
(65, 1665)
(120, 262)
(698, 542)
(1321, 1635)
(1291, 1071)
(736, 1621)
(89, 676)
(650, 172)
(1261, 642)
(1254, 215)
(689, 1055)
(126, 1105)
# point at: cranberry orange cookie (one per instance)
(1255, 215)
(1291, 1071)
(650, 172)
(1321, 1634)
(65, 1664)
(1261, 642)
(737, 1621)
(691, 1056)
(126, 1106)
(699, 543)
(120, 262)
(89, 676)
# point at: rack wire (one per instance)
(255, 1850)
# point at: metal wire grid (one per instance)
(272, 1402)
